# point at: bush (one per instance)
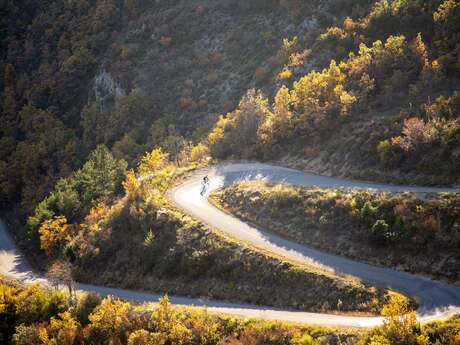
(110, 321)
(85, 306)
(368, 211)
(27, 335)
(54, 234)
(380, 232)
(384, 150)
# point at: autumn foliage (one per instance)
(37, 316)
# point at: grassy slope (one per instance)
(426, 232)
(144, 243)
(352, 153)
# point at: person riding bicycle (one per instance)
(204, 184)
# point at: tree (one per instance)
(238, 132)
(111, 321)
(48, 149)
(167, 322)
(415, 134)
(380, 232)
(448, 16)
(199, 152)
(64, 329)
(153, 161)
(60, 273)
(131, 185)
(320, 96)
(100, 176)
(94, 122)
(174, 143)
(421, 53)
(384, 151)
(278, 125)
(86, 303)
(54, 234)
(400, 322)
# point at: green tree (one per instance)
(100, 176)
(380, 232)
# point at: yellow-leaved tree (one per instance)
(131, 185)
(153, 161)
(54, 234)
(321, 95)
(400, 325)
(64, 329)
(278, 124)
(167, 321)
(111, 321)
(199, 152)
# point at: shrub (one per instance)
(416, 133)
(379, 340)
(384, 150)
(199, 152)
(8, 316)
(27, 335)
(286, 73)
(64, 329)
(54, 234)
(283, 196)
(85, 306)
(131, 185)
(368, 211)
(110, 321)
(143, 337)
(305, 339)
(380, 232)
(36, 304)
(400, 322)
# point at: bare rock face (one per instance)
(104, 88)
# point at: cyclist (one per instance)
(204, 184)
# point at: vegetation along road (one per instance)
(436, 300)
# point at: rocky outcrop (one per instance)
(105, 88)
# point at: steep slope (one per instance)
(385, 107)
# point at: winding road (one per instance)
(437, 300)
